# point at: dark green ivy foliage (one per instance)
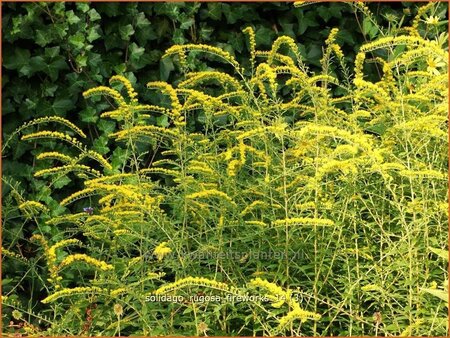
(52, 52)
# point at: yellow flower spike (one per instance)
(102, 90)
(87, 259)
(78, 195)
(299, 314)
(95, 156)
(73, 292)
(252, 44)
(278, 43)
(252, 206)
(203, 48)
(66, 169)
(303, 221)
(198, 77)
(211, 193)
(33, 205)
(192, 281)
(161, 251)
(55, 119)
(54, 155)
(422, 10)
(148, 131)
(171, 92)
(127, 84)
(53, 135)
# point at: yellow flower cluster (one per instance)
(97, 157)
(55, 135)
(127, 84)
(198, 77)
(422, 10)
(429, 173)
(211, 193)
(203, 48)
(278, 43)
(56, 119)
(303, 221)
(118, 291)
(172, 93)
(252, 44)
(78, 195)
(299, 314)
(193, 281)
(258, 223)
(54, 155)
(87, 259)
(147, 131)
(6, 252)
(161, 251)
(102, 90)
(32, 206)
(73, 292)
(252, 206)
(66, 169)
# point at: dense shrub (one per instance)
(319, 188)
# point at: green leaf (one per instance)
(264, 36)
(77, 40)
(166, 66)
(59, 63)
(119, 158)
(126, 32)
(369, 28)
(100, 145)
(72, 18)
(93, 33)
(135, 52)
(441, 294)
(51, 52)
(62, 105)
(43, 38)
(83, 6)
(162, 121)
(187, 23)
(142, 21)
(17, 59)
(441, 253)
(61, 182)
(89, 115)
(93, 15)
(106, 126)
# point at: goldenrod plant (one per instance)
(304, 203)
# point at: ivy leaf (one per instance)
(43, 38)
(135, 52)
(162, 121)
(166, 66)
(187, 23)
(369, 28)
(77, 40)
(17, 59)
(126, 32)
(142, 21)
(93, 33)
(100, 145)
(61, 182)
(72, 18)
(93, 15)
(89, 115)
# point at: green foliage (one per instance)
(282, 175)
